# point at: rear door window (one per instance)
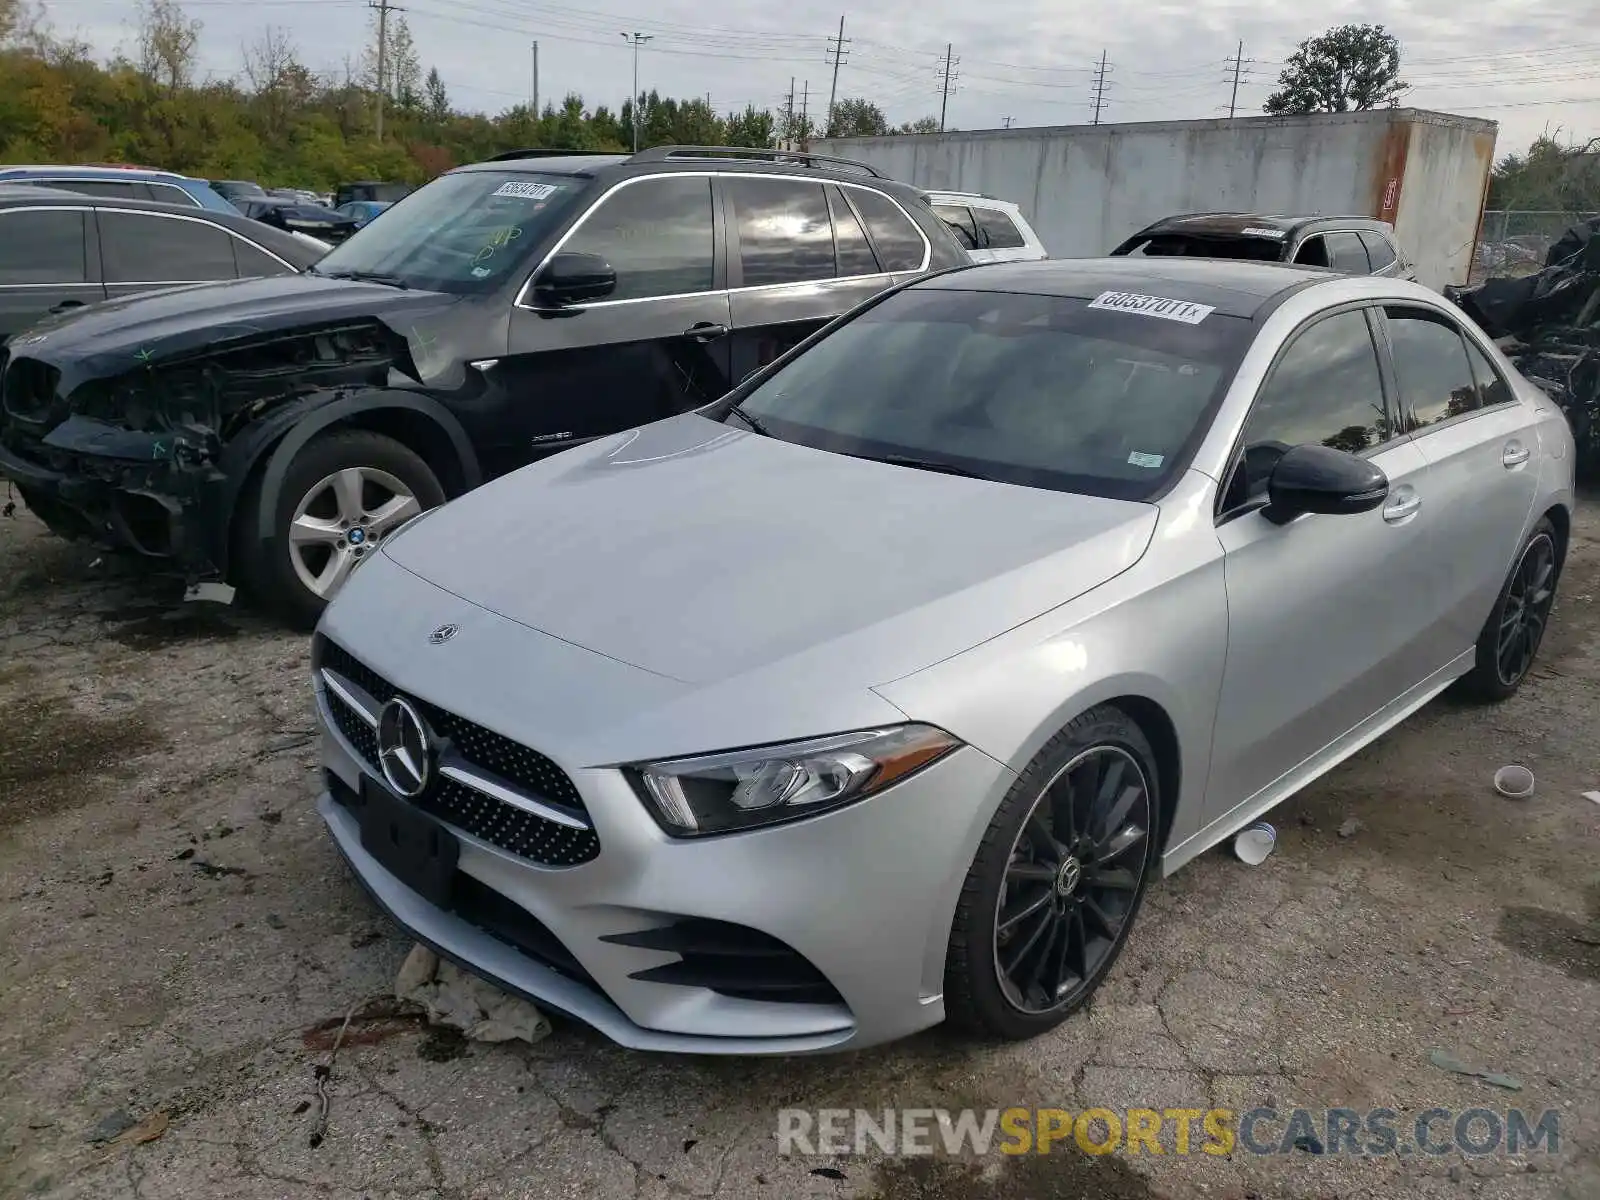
(145, 248)
(1346, 253)
(851, 248)
(1431, 365)
(170, 193)
(999, 231)
(959, 218)
(116, 189)
(42, 246)
(897, 239)
(785, 232)
(1379, 251)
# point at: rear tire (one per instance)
(343, 493)
(1511, 637)
(1057, 881)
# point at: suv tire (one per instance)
(343, 493)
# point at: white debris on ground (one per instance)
(462, 1001)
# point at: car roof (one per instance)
(1235, 223)
(68, 170)
(1233, 287)
(664, 159)
(31, 191)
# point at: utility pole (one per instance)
(1007, 121)
(788, 119)
(1238, 62)
(383, 8)
(805, 105)
(536, 81)
(1099, 87)
(944, 98)
(836, 52)
(638, 39)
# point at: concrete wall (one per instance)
(1087, 187)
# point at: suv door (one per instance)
(49, 262)
(144, 250)
(798, 257)
(1479, 440)
(1323, 627)
(656, 346)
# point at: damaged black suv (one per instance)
(267, 433)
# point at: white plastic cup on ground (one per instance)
(1253, 843)
(1514, 782)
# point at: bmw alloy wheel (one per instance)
(1072, 880)
(341, 519)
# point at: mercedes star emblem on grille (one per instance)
(405, 748)
(443, 634)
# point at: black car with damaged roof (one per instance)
(267, 433)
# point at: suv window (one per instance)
(850, 240)
(785, 234)
(42, 246)
(1325, 389)
(171, 193)
(1346, 253)
(145, 248)
(898, 240)
(656, 234)
(1431, 365)
(1313, 252)
(1378, 249)
(959, 218)
(1492, 387)
(250, 261)
(999, 232)
(116, 189)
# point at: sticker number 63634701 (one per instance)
(1153, 306)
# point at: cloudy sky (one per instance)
(1524, 63)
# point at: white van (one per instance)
(991, 230)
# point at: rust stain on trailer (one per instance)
(1391, 171)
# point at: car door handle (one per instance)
(706, 331)
(1403, 503)
(1515, 454)
(66, 304)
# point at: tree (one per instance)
(854, 117)
(402, 72)
(168, 40)
(753, 128)
(1348, 67)
(276, 77)
(1549, 177)
(438, 98)
(920, 125)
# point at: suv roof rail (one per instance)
(754, 154)
(539, 152)
(957, 192)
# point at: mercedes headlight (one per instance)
(766, 785)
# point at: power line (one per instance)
(1098, 88)
(836, 49)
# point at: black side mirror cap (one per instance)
(573, 278)
(1320, 479)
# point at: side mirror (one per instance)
(571, 278)
(1320, 479)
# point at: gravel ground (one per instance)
(178, 942)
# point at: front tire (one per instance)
(1511, 636)
(1057, 881)
(341, 496)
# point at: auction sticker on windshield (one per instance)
(1153, 306)
(1261, 231)
(526, 191)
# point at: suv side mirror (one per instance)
(571, 278)
(1320, 479)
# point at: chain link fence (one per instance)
(1514, 242)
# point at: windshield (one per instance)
(462, 233)
(1096, 396)
(1198, 245)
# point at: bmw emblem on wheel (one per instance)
(405, 748)
(443, 634)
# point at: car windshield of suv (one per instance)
(1202, 245)
(461, 233)
(1104, 395)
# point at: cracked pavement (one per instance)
(178, 936)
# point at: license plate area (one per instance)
(412, 846)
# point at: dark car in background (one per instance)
(370, 189)
(280, 428)
(60, 250)
(292, 216)
(362, 211)
(235, 190)
(1355, 245)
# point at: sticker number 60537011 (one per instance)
(1153, 306)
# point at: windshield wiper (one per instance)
(365, 277)
(922, 464)
(755, 425)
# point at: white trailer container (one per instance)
(1085, 188)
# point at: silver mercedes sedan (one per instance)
(878, 692)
